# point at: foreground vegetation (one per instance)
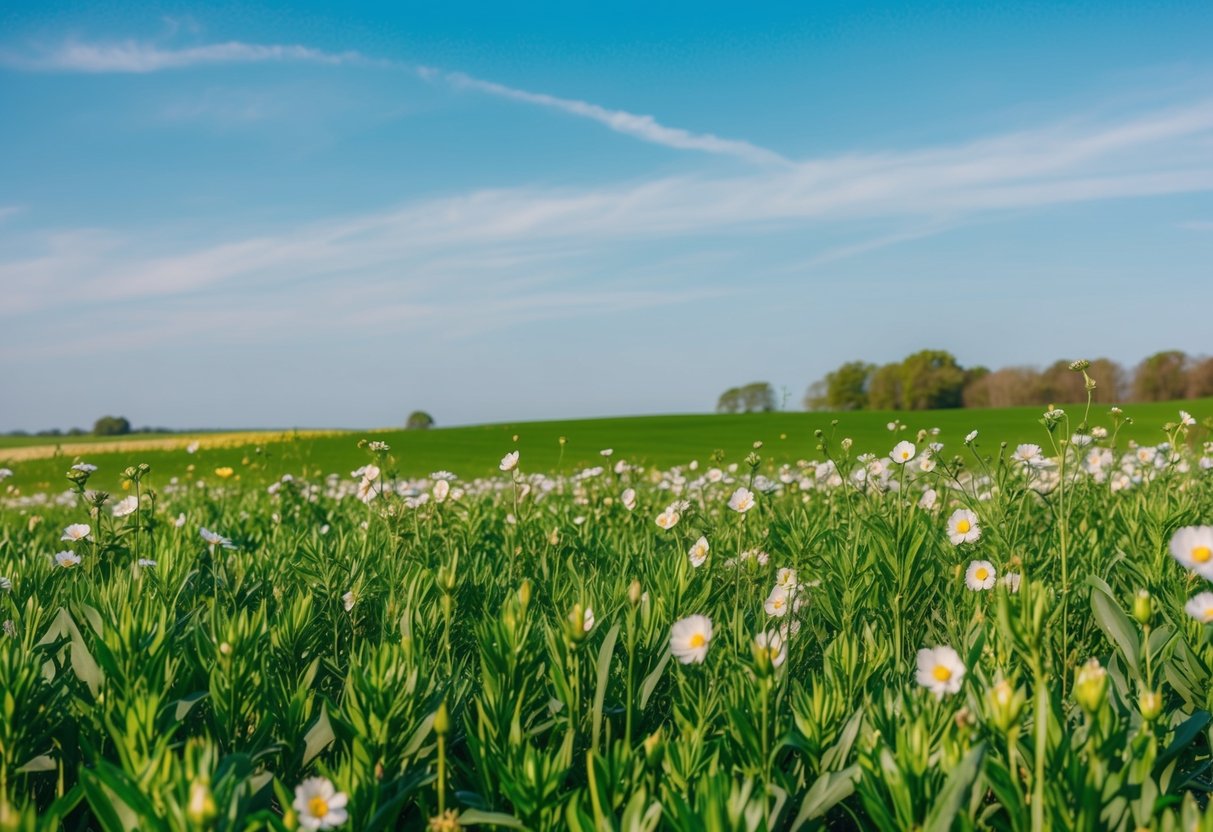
(957, 635)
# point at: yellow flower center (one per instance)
(905, 454)
(1201, 554)
(963, 526)
(697, 640)
(941, 673)
(318, 807)
(1208, 614)
(981, 574)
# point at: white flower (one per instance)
(587, 620)
(772, 644)
(5, 584)
(441, 489)
(126, 506)
(1029, 454)
(1200, 607)
(776, 604)
(67, 559)
(970, 437)
(76, 531)
(699, 552)
(980, 575)
(215, 539)
(786, 578)
(668, 519)
(1010, 580)
(902, 452)
(928, 498)
(926, 464)
(742, 500)
(509, 462)
(371, 472)
(146, 563)
(962, 527)
(366, 490)
(5, 473)
(180, 521)
(690, 637)
(1081, 440)
(1185, 419)
(319, 805)
(606, 451)
(348, 600)
(191, 448)
(85, 467)
(1192, 546)
(628, 498)
(940, 670)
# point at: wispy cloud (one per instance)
(643, 127)
(141, 57)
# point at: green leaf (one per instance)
(1115, 624)
(954, 793)
(650, 681)
(604, 673)
(828, 791)
(472, 817)
(318, 737)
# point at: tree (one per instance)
(1008, 387)
(729, 401)
(755, 397)
(1200, 378)
(111, 426)
(419, 420)
(845, 388)
(931, 379)
(885, 388)
(1161, 377)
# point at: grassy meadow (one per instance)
(453, 629)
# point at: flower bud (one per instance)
(653, 748)
(201, 809)
(1090, 686)
(1150, 705)
(442, 720)
(1005, 703)
(1143, 607)
(634, 593)
(524, 594)
(575, 625)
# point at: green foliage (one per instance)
(419, 420)
(111, 426)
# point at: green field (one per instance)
(661, 441)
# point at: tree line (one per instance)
(935, 379)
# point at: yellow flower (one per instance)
(224, 472)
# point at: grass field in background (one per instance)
(474, 451)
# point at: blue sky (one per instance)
(313, 215)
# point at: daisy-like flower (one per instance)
(940, 670)
(786, 578)
(180, 521)
(67, 559)
(224, 472)
(319, 804)
(215, 539)
(1200, 607)
(628, 498)
(1029, 454)
(1185, 419)
(902, 452)
(668, 519)
(1010, 580)
(970, 436)
(690, 637)
(699, 552)
(348, 600)
(86, 467)
(771, 646)
(777, 602)
(509, 462)
(928, 498)
(980, 575)
(606, 451)
(963, 528)
(125, 506)
(76, 531)
(1192, 546)
(442, 488)
(742, 500)
(367, 490)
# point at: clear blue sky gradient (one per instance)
(314, 215)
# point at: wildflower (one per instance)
(606, 451)
(5, 584)
(928, 498)
(180, 521)
(191, 448)
(509, 462)
(76, 531)
(970, 437)
(442, 489)
(84, 467)
(963, 528)
(940, 670)
(448, 821)
(776, 604)
(366, 490)
(699, 552)
(1185, 419)
(770, 649)
(125, 506)
(5, 473)
(1010, 580)
(742, 500)
(902, 452)
(1006, 703)
(215, 539)
(786, 578)
(224, 472)
(980, 575)
(319, 804)
(668, 519)
(628, 498)
(1029, 454)
(378, 447)
(690, 637)
(67, 559)
(348, 600)
(587, 619)
(1192, 546)
(1200, 607)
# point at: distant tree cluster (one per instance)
(755, 397)
(934, 379)
(419, 420)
